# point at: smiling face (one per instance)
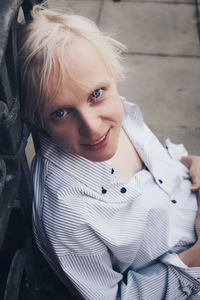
(85, 118)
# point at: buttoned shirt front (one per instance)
(117, 239)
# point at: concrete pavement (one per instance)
(163, 60)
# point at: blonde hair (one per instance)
(42, 45)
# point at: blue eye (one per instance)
(97, 93)
(59, 114)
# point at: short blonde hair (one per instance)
(42, 44)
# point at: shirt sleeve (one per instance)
(95, 278)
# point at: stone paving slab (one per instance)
(166, 88)
(153, 27)
(190, 137)
(86, 8)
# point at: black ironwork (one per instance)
(24, 274)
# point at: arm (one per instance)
(84, 259)
(94, 277)
(91, 271)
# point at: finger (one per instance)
(195, 183)
(195, 187)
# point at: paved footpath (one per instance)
(163, 60)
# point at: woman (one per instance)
(113, 210)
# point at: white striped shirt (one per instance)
(111, 239)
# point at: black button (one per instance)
(160, 180)
(173, 201)
(112, 171)
(123, 190)
(104, 191)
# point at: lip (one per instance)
(99, 144)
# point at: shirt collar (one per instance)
(93, 174)
(166, 171)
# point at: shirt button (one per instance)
(160, 181)
(123, 190)
(104, 191)
(112, 171)
(173, 201)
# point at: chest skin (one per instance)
(126, 159)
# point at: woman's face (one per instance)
(86, 116)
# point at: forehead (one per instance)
(84, 63)
(81, 54)
(82, 66)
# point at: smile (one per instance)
(98, 141)
(99, 144)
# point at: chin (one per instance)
(101, 157)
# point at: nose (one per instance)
(89, 123)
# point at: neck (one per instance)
(126, 160)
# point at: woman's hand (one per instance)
(192, 162)
(191, 256)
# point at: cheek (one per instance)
(118, 111)
(67, 140)
(62, 134)
(114, 112)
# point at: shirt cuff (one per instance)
(191, 275)
(174, 260)
(176, 151)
